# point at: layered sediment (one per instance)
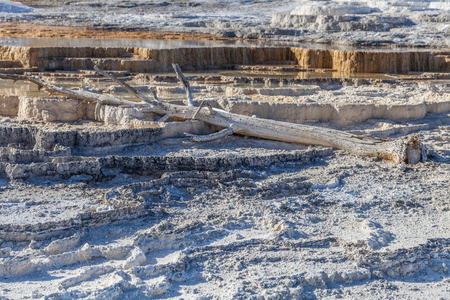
(372, 62)
(291, 100)
(160, 60)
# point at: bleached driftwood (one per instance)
(185, 82)
(82, 95)
(131, 90)
(407, 149)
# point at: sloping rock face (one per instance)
(203, 58)
(14, 53)
(337, 16)
(370, 61)
(50, 109)
(9, 105)
(160, 60)
(340, 60)
(340, 22)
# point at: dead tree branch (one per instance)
(130, 89)
(402, 150)
(185, 83)
(82, 95)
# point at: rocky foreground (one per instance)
(114, 204)
(109, 202)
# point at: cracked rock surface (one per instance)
(315, 224)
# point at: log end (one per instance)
(415, 150)
(406, 150)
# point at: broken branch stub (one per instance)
(407, 149)
(213, 136)
(127, 87)
(185, 83)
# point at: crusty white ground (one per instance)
(415, 23)
(343, 227)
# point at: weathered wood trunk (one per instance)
(402, 150)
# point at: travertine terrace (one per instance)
(111, 202)
(160, 60)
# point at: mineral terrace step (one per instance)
(64, 74)
(70, 75)
(65, 167)
(17, 70)
(278, 62)
(72, 64)
(447, 60)
(10, 64)
(92, 73)
(272, 68)
(346, 61)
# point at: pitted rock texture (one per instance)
(294, 229)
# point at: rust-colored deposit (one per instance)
(10, 29)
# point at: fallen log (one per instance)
(81, 95)
(402, 150)
(407, 149)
